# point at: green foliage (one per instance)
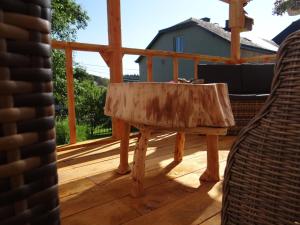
(281, 6)
(67, 18)
(90, 100)
(62, 131)
(59, 81)
(101, 81)
(63, 134)
(81, 74)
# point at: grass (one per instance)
(82, 132)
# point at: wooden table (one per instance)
(183, 108)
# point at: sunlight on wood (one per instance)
(90, 188)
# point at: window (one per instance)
(178, 44)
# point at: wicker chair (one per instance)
(28, 175)
(262, 177)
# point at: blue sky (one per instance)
(142, 19)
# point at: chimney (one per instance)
(227, 28)
(206, 19)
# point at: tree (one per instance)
(281, 6)
(67, 18)
(90, 100)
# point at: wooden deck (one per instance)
(92, 193)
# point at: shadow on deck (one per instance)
(92, 193)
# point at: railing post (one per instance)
(175, 69)
(70, 93)
(115, 43)
(149, 69)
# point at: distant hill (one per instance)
(101, 81)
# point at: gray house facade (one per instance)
(192, 36)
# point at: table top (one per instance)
(170, 105)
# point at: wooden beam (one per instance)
(175, 69)
(78, 46)
(260, 58)
(236, 23)
(135, 51)
(172, 54)
(106, 57)
(235, 45)
(115, 44)
(149, 69)
(71, 98)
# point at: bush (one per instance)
(62, 131)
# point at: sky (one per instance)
(142, 19)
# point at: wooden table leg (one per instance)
(138, 171)
(212, 171)
(124, 167)
(179, 147)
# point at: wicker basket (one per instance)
(262, 177)
(28, 175)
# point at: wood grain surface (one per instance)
(170, 105)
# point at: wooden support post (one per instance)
(235, 45)
(175, 69)
(196, 62)
(179, 147)
(70, 93)
(236, 23)
(115, 63)
(124, 167)
(149, 69)
(138, 171)
(211, 173)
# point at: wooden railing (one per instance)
(105, 51)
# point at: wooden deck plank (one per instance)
(111, 213)
(193, 208)
(112, 186)
(215, 220)
(194, 145)
(89, 186)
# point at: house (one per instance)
(196, 36)
(286, 32)
(131, 78)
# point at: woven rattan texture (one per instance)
(243, 111)
(28, 175)
(262, 177)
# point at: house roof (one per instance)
(216, 30)
(290, 29)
